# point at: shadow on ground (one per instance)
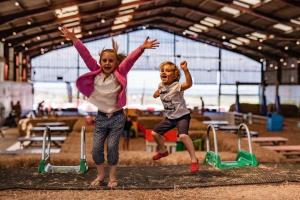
(149, 177)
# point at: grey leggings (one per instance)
(110, 128)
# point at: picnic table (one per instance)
(56, 140)
(265, 141)
(216, 123)
(291, 152)
(53, 129)
(51, 124)
(234, 129)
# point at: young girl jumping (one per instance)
(105, 87)
(177, 115)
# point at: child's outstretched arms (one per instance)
(129, 61)
(90, 62)
(188, 78)
(68, 34)
(150, 44)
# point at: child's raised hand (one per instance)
(183, 65)
(68, 34)
(150, 44)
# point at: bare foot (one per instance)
(112, 183)
(97, 182)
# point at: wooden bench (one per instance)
(266, 141)
(56, 140)
(152, 146)
(288, 151)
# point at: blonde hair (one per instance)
(176, 69)
(120, 56)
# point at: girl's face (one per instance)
(168, 74)
(108, 62)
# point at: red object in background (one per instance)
(170, 136)
(89, 120)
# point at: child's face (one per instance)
(108, 62)
(167, 74)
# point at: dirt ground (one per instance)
(136, 157)
(247, 192)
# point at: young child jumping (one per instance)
(177, 115)
(105, 87)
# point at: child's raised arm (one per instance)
(128, 62)
(156, 94)
(69, 35)
(188, 78)
(90, 62)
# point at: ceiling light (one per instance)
(3, 39)
(90, 32)
(259, 47)
(28, 22)
(231, 11)
(284, 63)
(244, 40)
(26, 48)
(298, 42)
(9, 44)
(38, 37)
(251, 2)
(207, 23)
(23, 44)
(102, 21)
(212, 20)
(66, 11)
(17, 3)
(192, 28)
(62, 42)
(204, 28)
(241, 4)
(223, 37)
(118, 26)
(252, 37)
(128, 1)
(135, 6)
(124, 12)
(292, 65)
(261, 60)
(283, 27)
(72, 24)
(259, 35)
(281, 60)
(14, 33)
(123, 19)
(295, 21)
(233, 46)
(236, 41)
(187, 32)
(286, 48)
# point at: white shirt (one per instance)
(105, 93)
(173, 101)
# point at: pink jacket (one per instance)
(85, 83)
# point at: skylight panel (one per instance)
(283, 27)
(66, 11)
(231, 11)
